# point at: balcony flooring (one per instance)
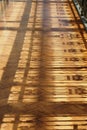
(43, 66)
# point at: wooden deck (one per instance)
(43, 66)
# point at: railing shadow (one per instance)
(28, 74)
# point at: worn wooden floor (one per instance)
(43, 66)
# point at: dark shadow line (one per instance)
(41, 29)
(12, 64)
(51, 1)
(17, 47)
(27, 68)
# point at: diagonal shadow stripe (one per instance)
(44, 108)
(12, 64)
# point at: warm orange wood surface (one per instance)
(43, 66)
